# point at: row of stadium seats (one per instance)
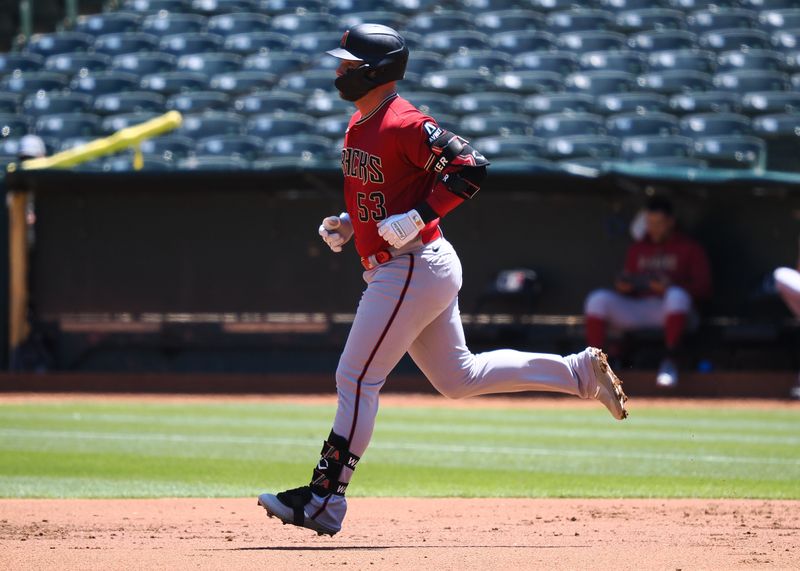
(321, 104)
(441, 42)
(492, 61)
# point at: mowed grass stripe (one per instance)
(552, 454)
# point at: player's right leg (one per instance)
(441, 353)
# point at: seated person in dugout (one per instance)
(666, 274)
(787, 282)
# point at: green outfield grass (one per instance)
(129, 449)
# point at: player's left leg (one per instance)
(677, 307)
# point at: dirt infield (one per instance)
(391, 533)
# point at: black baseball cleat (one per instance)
(290, 507)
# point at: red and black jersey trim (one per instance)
(380, 106)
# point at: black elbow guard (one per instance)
(466, 182)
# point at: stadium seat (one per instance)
(322, 103)
(711, 124)
(511, 147)
(47, 103)
(567, 123)
(554, 5)
(13, 125)
(125, 43)
(344, 7)
(660, 40)
(168, 146)
(591, 41)
(637, 101)
(32, 81)
(600, 82)
(430, 102)
(687, 59)
(307, 82)
(58, 43)
(277, 63)
(168, 23)
(495, 21)
(750, 80)
(768, 4)
(455, 81)
(19, 61)
(641, 20)
(124, 163)
(449, 41)
(73, 63)
(275, 7)
(559, 62)
(478, 6)
(280, 124)
(210, 64)
(238, 23)
(257, 43)
(624, 5)
(528, 82)
(191, 43)
(521, 41)
(198, 101)
(751, 59)
(734, 39)
(171, 82)
(545, 103)
(635, 124)
(240, 82)
(107, 23)
(9, 148)
(300, 146)
(392, 19)
(693, 5)
(213, 163)
(770, 102)
(731, 151)
(269, 102)
(502, 124)
(114, 123)
(655, 147)
(710, 101)
(486, 103)
(675, 81)
(245, 146)
(304, 22)
(427, 23)
(578, 20)
(211, 7)
(155, 6)
(9, 103)
(144, 63)
(702, 21)
(781, 132)
(776, 20)
(489, 60)
(315, 43)
(332, 126)
(570, 148)
(628, 61)
(128, 102)
(199, 125)
(65, 125)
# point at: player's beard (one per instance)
(354, 83)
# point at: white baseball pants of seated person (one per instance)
(627, 313)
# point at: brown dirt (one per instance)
(399, 533)
(396, 533)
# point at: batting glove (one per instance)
(400, 229)
(336, 231)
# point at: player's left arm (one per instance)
(461, 170)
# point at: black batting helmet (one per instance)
(384, 55)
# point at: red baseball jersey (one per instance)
(680, 258)
(389, 168)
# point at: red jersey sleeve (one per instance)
(413, 143)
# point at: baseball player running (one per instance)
(402, 174)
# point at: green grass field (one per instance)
(132, 449)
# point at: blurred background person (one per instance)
(787, 282)
(666, 274)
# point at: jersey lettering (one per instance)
(361, 165)
(374, 210)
